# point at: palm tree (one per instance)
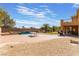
(45, 27)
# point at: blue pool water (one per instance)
(24, 33)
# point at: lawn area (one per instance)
(52, 33)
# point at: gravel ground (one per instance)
(38, 47)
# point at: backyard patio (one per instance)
(26, 39)
(40, 45)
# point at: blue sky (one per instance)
(37, 14)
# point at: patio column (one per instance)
(66, 29)
(78, 30)
(0, 31)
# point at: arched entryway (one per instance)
(71, 30)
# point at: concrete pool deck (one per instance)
(26, 39)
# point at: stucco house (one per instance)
(71, 27)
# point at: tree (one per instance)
(55, 28)
(45, 27)
(5, 19)
(1, 23)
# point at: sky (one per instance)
(37, 14)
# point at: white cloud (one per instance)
(27, 11)
(76, 5)
(52, 13)
(24, 10)
(40, 17)
(27, 22)
(47, 10)
(34, 12)
(38, 23)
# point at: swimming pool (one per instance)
(22, 33)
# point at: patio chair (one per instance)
(61, 33)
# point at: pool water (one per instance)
(24, 33)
